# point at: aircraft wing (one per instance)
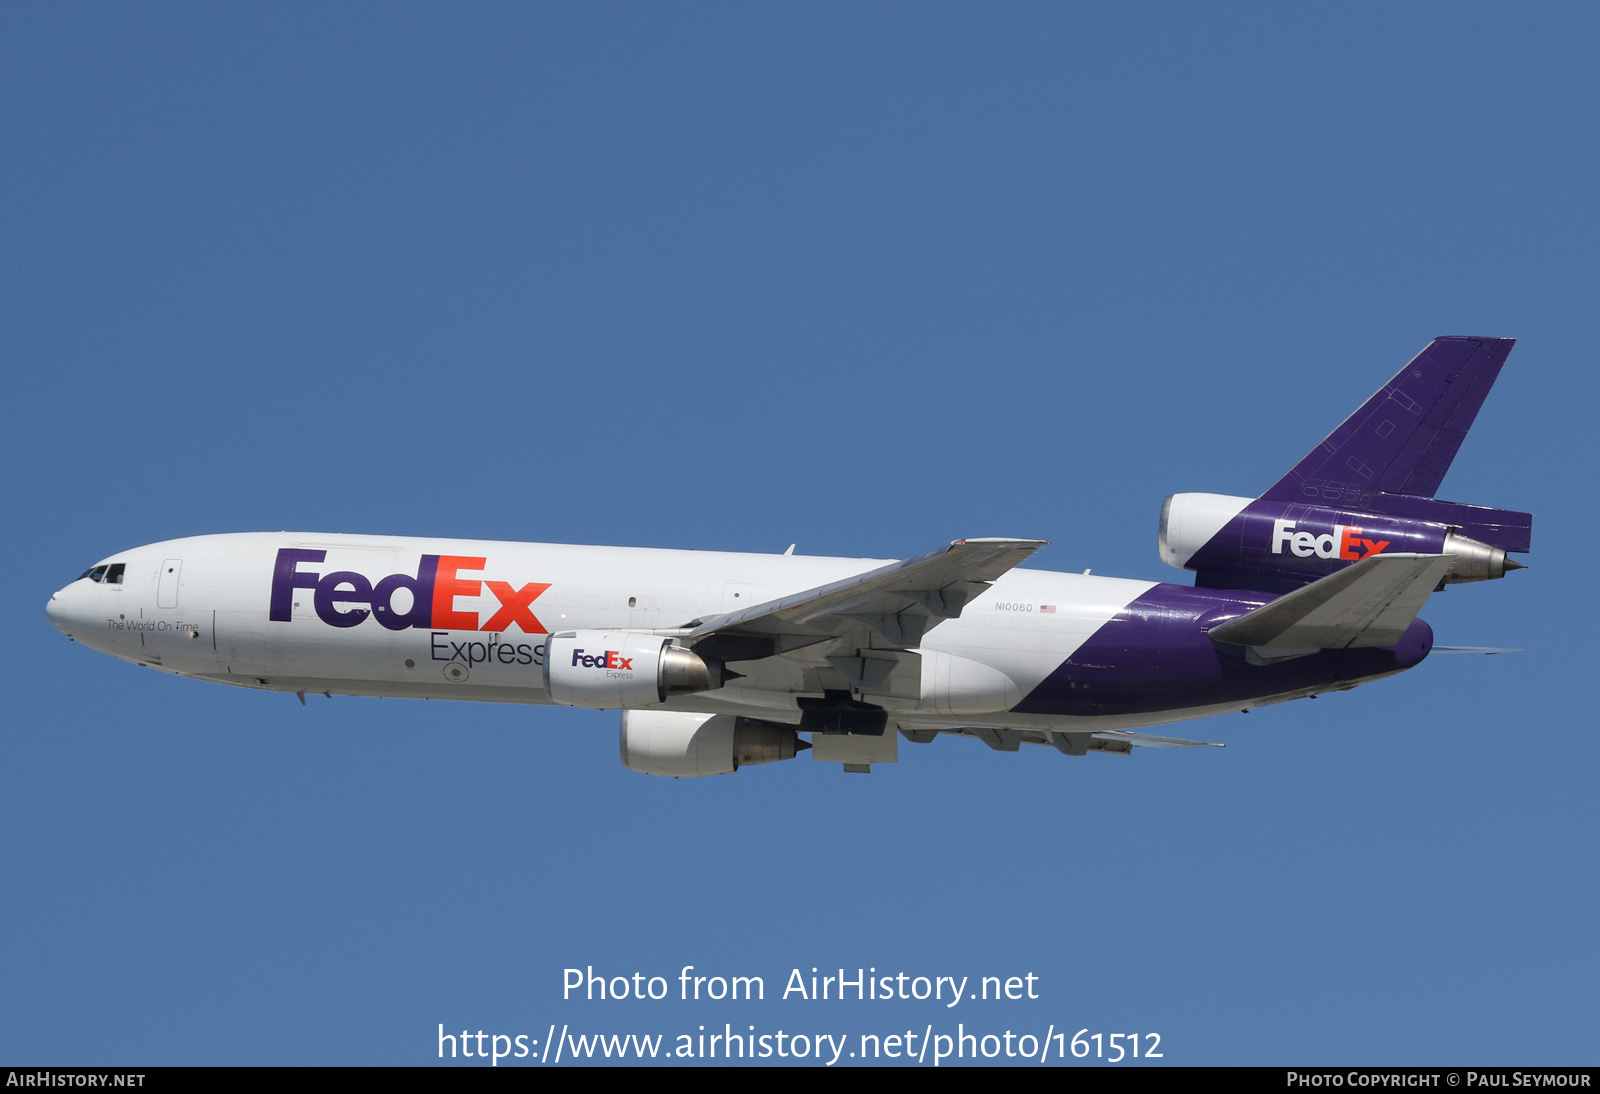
(1368, 604)
(861, 627)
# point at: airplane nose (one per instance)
(57, 613)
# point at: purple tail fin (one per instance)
(1402, 439)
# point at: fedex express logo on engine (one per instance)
(610, 659)
(1343, 542)
(344, 598)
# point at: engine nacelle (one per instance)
(1247, 541)
(667, 742)
(611, 669)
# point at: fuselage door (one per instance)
(167, 586)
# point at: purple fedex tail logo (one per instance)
(344, 598)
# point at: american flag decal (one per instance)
(1047, 609)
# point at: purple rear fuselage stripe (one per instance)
(1155, 656)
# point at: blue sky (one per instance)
(865, 278)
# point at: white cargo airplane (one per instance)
(723, 660)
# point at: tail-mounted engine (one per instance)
(1250, 543)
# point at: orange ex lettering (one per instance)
(514, 607)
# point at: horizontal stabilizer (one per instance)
(1116, 742)
(1370, 603)
(1150, 741)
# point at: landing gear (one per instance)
(837, 713)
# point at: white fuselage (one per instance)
(203, 607)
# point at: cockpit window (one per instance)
(109, 574)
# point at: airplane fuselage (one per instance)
(465, 619)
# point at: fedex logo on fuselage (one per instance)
(345, 598)
(1343, 542)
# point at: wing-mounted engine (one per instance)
(611, 669)
(679, 745)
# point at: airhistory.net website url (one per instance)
(910, 1046)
